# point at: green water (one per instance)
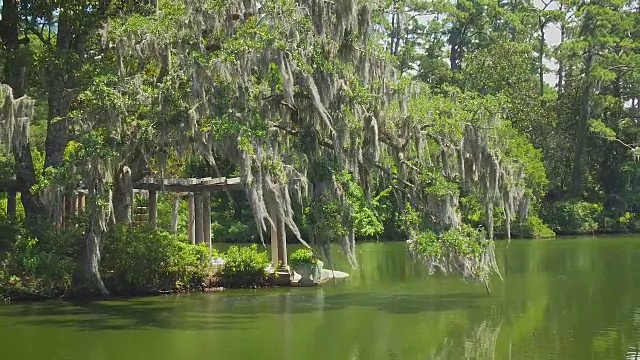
(560, 299)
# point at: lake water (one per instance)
(560, 299)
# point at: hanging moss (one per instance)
(253, 75)
(15, 117)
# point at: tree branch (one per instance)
(325, 143)
(40, 35)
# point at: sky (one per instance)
(552, 36)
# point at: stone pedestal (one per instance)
(283, 276)
(282, 273)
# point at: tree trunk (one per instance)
(542, 44)
(582, 128)
(58, 79)
(15, 66)
(454, 56)
(87, 275)
(560, 85)
(454, 40)
(397, 34)
(92, 269)
(11, 205)
(15, 74)
(123, 196)
(393, 28)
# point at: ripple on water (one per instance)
(634, 350)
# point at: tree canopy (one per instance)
(343, 118)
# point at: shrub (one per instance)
(8, 234)
(572, 217)
(302, 257)
(532, 228)
(144, 260)
(244, 267)
(426, 244)
(42, 266)
(627, 222)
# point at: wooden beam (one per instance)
(206, 217)
(199, 218)
(191, 224)
(189, 185)
(153, 209)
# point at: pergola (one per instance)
(197, 192)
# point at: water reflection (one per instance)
(560, 299)
(478, 343)
(634, 350)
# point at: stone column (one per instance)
(274, 240)
(199, 218)
(175, 214)
(278, 249)
(82, 198)
(206, 217)
(68, 208)
(153, 208)
(11, 204)
(191, 224)
(74, 203)
(282, 244)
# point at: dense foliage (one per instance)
(35, 267)
(467, 244)
(346, 119)
(244, 267)
(303, 257)
(147, 261)
(135, 261)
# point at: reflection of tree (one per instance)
(480, 343)
(634, 351)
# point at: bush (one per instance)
(244, 267)
(302, 257)
(9, 232)
(39, 267)
(426, 244)
(143, 260)
(532, 228)
(573, 217)
(629, 222)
